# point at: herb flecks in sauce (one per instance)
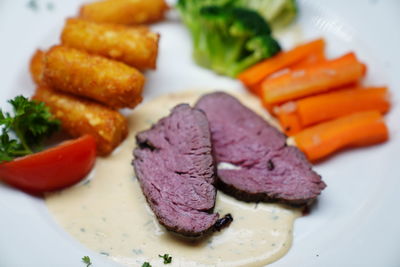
(126, 211)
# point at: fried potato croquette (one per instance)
(104, 80)
(80, 116)
(127, 12)
(135, 46)
(36, 66)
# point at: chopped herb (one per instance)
(86, 260)
(167, 258)
(146, 264)
(24, 132)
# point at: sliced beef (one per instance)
(174, 165)
(254, 162)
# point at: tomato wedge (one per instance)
(53, 168)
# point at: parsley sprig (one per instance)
(86, 260)
(167, 258)
(23, 132)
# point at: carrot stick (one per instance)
(312, 80)
(316, 57)
(358, 129)
(269, 108)
(258, 72)
(297, 115)
(255, 89)
(332, 105)
(288, 118)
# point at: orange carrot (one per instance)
(269, 108)
(332, 105)
(258, 72)
(255, 89)
(297, 115)
(312, 80)
(316, 57)
(288, 118)
(358, 129)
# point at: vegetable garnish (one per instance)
(358, 129)
(167, 258)
(53, 168)
(314, 79)
(86, 260)
(146, 264)
(24, 131)
(315, 57)
(296, 115)
(319, 101)
(227, 39)
(255, 74)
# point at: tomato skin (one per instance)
(53, 168)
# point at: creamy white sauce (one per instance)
(109, 213)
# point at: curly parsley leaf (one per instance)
(167, 258)
(86, 260)
(23, 132)
(146, 264)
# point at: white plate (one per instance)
(355, 222)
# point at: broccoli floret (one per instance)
(278, 13)
(227, 39)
